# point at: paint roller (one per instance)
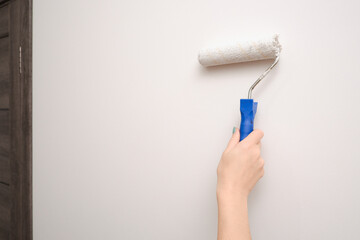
(244, 51)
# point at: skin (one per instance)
(240, 168)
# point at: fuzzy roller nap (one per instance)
(243, 51)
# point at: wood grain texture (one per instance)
(4, 20)
(4, 73)
(4, 148)
(5, 207)
(20, 118)
(16, 150)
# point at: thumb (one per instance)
(235, 138)
(254, 137)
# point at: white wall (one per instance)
(129, 128)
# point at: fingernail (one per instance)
(234, 129)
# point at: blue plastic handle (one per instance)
(248, 110)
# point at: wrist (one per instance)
(230, 195)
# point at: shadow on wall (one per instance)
(256, 68)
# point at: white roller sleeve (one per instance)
(240, 51)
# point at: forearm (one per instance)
(233, 221)
(240, 167)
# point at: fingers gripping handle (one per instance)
(248, 110)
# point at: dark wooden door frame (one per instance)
(20, 102)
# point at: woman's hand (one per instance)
(241, 164)
(240, 167)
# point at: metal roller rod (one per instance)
(262, 76)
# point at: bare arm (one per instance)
(240, 167)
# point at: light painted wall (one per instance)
(129, 128)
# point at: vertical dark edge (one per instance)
(21, 119)
(26, 43)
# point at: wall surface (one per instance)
(129, 128)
